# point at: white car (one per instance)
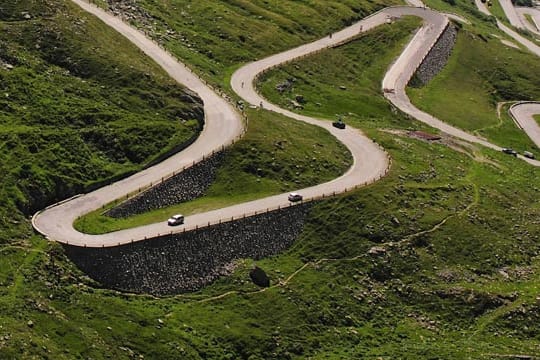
(175, 220)
(294, 197)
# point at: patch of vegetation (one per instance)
(527, 3)
(466, 9)
(276, 155)
(496, 9)
(345, 81)
(479, 76)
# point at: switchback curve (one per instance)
(223, 125)
(523, 113)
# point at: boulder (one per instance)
(259, 277)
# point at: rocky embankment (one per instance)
(436, 58)
(184, 186)
(188, 261)
(131, 12)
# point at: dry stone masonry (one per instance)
(437, 57)
(184, 186)
(188, 261)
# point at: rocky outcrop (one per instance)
(188, 261)
(184, 186)
(259, 277)
(131, 12)
(436, 58)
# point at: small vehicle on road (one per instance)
(509, 151)
(528, 154)
(176, 220)
(339, 124)
(294, 197)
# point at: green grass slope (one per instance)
(482, 75)
(72, 111)
(346, 81)
(437, 260)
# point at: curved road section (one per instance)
(524, 114)
(511, 14)
(534, 13)
(398, 76)
(223, 125)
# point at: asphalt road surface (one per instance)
(524, 113)
(534, 13)
(511, 14)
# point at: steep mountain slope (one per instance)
(72, 111)
(438, 260)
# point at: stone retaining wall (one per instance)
(184, 186)
(436, 58)
(188, 261)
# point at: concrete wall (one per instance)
(436, 58)
(188, 261)
(185, 186)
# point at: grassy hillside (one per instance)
(216, 36)
(346, 81)
(437, 260)
(72, 111)
(481, 75)
(464, 277)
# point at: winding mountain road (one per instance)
(224, 125)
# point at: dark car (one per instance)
(339, 124)
(294, 197)
(509, 151)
